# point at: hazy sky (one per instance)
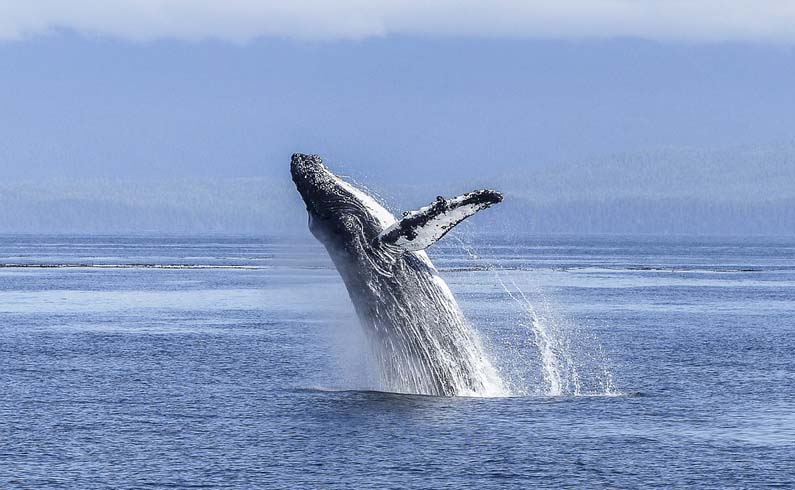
(242, 20)
(410, 91)
(86, 105)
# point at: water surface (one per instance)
(236, 362)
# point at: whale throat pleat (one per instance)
(420, 229)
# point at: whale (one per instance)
(420, 338)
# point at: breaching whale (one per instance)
(421, 339)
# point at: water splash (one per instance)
(569, 361)
(573, 361)
(430, 350)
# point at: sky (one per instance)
(243, 20)
(409, 97)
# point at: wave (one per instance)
(533, 397)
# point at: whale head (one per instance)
(345, 219)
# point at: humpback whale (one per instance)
(421, 340)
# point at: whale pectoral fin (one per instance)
(419, 229)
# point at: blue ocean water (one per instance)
(236, 362)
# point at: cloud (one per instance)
(243, 20)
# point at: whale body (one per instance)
(419, 335)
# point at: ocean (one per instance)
(237, 362)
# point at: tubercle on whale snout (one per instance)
(298, 159)
(305, 168)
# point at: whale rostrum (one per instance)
(420, 338)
